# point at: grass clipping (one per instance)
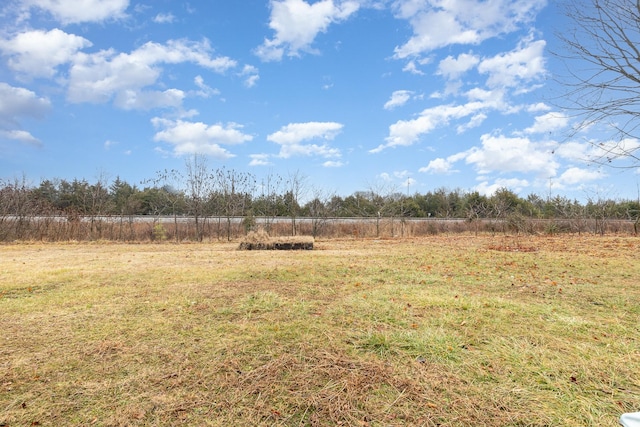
(260, 240)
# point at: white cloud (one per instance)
(597, 152)
(453, 68)
(401, 174)
(573, 150)
(412, 68)
(76, 11)
(576, 175)
(443, 166)
(251, 81)
(205, 90)
(538, 108)
(292, 150)
(437, 167)
(294, 133)
(251, 75)
(405, 177)
(197, 137)
(513, 184)
(164, 18)
(17, 102)
(511, 69)
(397, 180)
(178, 51)
(38, 53)
(474, 122)
(99, 76)
(20, 136)
(548, 123)
(146, 100)
(614, 150)
(408, 132)
(398, 99)
(409, 182)
(438, 23)
(290, 139)
(333, 164)
(493, 97)
(297, 23)
(508, 154)
(260, 160)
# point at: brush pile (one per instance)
(260, 240)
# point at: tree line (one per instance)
(226, 203)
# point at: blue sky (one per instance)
(409, 95)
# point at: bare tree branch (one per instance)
(602, 58)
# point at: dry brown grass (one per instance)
(260, 240)
(448, 331)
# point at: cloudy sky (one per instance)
(352, 94)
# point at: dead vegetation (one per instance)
(260, 240)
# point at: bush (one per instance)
(159, 233)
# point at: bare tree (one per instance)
(171, 197)
(602, 210)
(602, 57)
(477, 206)
(16, 210)
(318, 209)
(381, 195)
(296, 190)
(98, 199)
(266, 204)
(235, 189)
(199, 187)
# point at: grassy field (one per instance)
(448, 331)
